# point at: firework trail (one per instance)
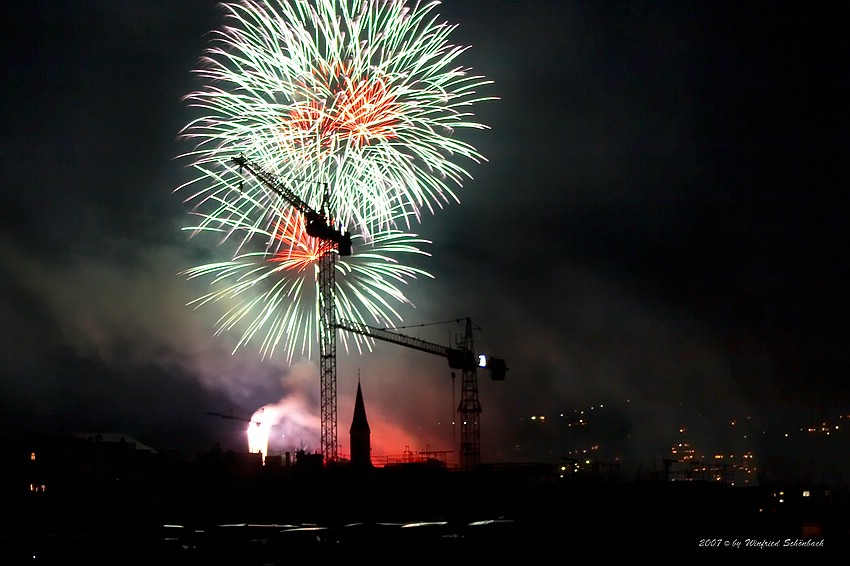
(356, 103)
(273, 292)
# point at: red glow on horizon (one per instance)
(391, 443)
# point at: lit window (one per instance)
(32, 455)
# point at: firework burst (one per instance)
(357, 103)
(354, 106)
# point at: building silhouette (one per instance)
(360, 434)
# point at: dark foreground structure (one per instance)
(137, 509)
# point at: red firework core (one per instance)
(361, 112)
(366, 111)
(298, 250)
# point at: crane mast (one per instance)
(327, 356)
(317, 226)
(469, 408)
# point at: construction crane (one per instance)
(235, 418)
(463, 358)
(317, 226)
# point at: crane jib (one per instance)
(317, 225)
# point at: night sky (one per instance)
(658, 233)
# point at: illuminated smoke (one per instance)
(292, 423)
(286, 426)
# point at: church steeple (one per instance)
(361, 446)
